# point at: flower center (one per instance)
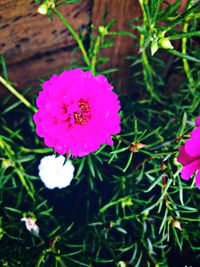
(79, 118)
(83, 116)
(83, 105)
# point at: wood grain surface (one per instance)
(34, 46)
(25, 33)
(123, 11)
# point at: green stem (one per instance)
(142, 3)
(74, 34)
(147, 71)
(183, 35)
(40, 260)
(4, 67)
(113, 203)
(95, 52)
(104, 208)
(17, 94)
(181, 55)
(185, 61)
(59, 259)
(24, 183)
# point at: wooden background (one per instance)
(34, 47)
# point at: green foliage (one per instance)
(127, 205)
(161, 25)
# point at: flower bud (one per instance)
(6, 163)
(146, 214)
(43, 9)
(177, 225)
(136, 146)
(121, 264)
(103, 30)
(127, 202)
(165, 43)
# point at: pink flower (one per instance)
(189, 155)
(77, 112)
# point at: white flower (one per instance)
(30, 224)
(53, 173)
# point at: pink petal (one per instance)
(190, 169)
(192, 145)
(198, 180)
(183, 157)
(198, 121)
(195, 133)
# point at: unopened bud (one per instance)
(136, 146)
(177, 224)
(146, 214)
(6, 163)
(165, 43)
(121, 264)
(43, 9)
(103, 30)
(127, 202)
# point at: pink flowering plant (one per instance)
(91, 176)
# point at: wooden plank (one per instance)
(33, 46)
(122, 10)
(30, 72)
(25, 33)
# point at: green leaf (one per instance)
(181, 55)
(184, 35)
(183, 125)
(14, 210)
(67, 2)
(123, 33)
(4, 67)
(91, 165)
(171, 10)
(194, 9)
(128, 162)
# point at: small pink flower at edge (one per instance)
(189, 155)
